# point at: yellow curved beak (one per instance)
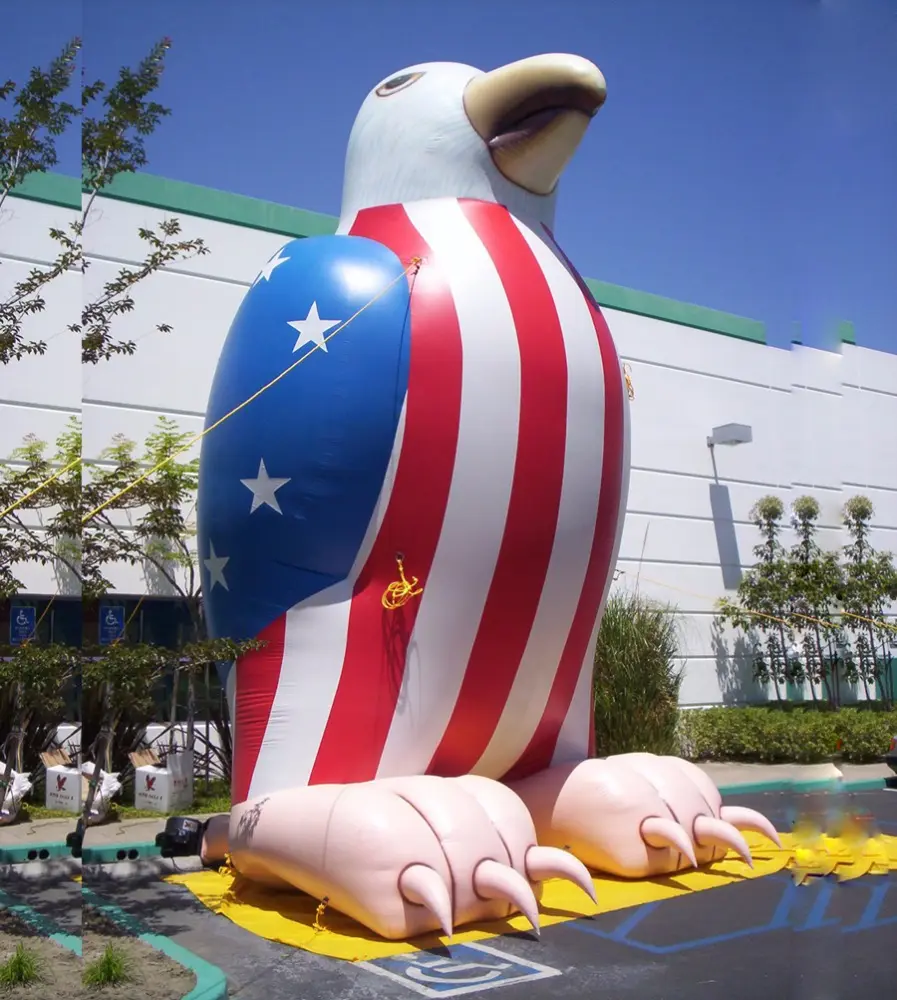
(533, 113)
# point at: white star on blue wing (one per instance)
(311, 330)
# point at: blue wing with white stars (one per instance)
(289, 483)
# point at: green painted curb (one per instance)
(211, 983)
(819, 785)
(43, 925)
(22, 853)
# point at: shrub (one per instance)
(22, 968)
(637, 678)
(779, 735)
(112, 968)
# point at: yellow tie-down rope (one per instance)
(627, 375)
(400, 593)
(39, 487)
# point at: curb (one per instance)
(40, 923)
(22, 853)
(110, 853)
(211, 983)
(817, 785)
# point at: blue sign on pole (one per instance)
(22, 623)
(112, 624)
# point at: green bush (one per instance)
(794, 734)
(637, 677)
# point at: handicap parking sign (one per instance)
(112, 624)
(458, 969)
(22, 623)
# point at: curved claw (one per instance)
(422, 885)
(552, 862)
(658, 832)
(743, 818)
(712, 831)
(494, 881)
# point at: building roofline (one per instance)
(255, 213)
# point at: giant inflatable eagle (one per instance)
(423, 755)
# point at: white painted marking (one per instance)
(471, 968)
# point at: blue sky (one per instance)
(745, 159)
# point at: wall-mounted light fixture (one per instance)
(730, 434)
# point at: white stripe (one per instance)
(230, 688)
(314, 652)
(573, 742)
(458, 584)
(345, 224)
(573, 739)
(580, 492)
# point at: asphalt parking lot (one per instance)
(759, 937)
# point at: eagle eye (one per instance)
(397, 83)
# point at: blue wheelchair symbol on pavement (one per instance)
(466, 968)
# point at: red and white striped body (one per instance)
(506, 495)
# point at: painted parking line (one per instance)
(798, 909)
(464, 968)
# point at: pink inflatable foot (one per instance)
(636, 815)
(403, 856)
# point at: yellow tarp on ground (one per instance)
(290, 919)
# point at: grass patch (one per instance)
(112, 968)
(31, 811)
(22, 968)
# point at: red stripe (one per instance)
(258, 674)
(532, 514)
(377, 642)
(540, 750)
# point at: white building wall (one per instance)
(40, 393)
(823, 423)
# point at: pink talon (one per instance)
(660, 833)
(492, 880)
(421, 885)
(743, 818)
(712, 831)
(552, 862)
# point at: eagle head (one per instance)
(439, 130)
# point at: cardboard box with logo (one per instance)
(163, 787)
(64, 788)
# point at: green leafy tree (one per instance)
(28, 138)
(112, 144)
(150, 526)
(46, 529)
(815, 583)
(156, 530)
(28, 146)
(32, 679)
(762, 600)
(869, 587)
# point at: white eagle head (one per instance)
(447, 130)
